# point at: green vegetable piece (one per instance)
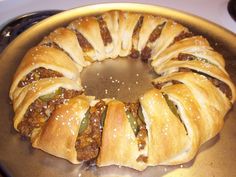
(133, 122)
(140, 114)
(50, 95)
(84, 123)
(103, 116)
(171, 106)
(174, 110)
(36, 76)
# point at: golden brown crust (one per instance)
(197, 46)
(149, 24)
(195, 123)
(112, 21)
(201, 67)
(89, 28)
(127, 22)
(33, 91)
(66, 39)
(213, 103)
(162, 125)
(46, 57)
(192, 83)
(116, 137)
(170, 30)
(58, 135)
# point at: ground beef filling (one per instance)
(218, 83)
(222, 86)
(135, 53)
(51, 44)
(183, 35)
(89, 140)
(134, 114)
(38, 74)
(142, 158)
(146, 51)
(186, 57)
(138, 27)
(56, 46)
(189, 57)
(105, 33)
(160, 85)
(83, 42)
(185, 70)
(156, 33)
(146, 54)
(41, 109)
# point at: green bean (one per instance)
(49, 96)
(84, 123)
(140, 114)
(103, 116)
(133, 122)
(171, 106)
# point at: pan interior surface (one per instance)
(125, 79)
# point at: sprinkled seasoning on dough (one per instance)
(191, 93)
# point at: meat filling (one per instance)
(89, 138)
(51, 44)
(218, 83)
(160, 85)
(189, 57)
(41, 109)
(222, 86)
(186, 57)
(134, 114)
(38, 74)
(183, 35)
(156, 33)
(185, 70)
(138, 27)
(146, 51)
(146, 54)
(135, 53)
(56, 46)
(142, 158)
(105, 33)
(83, 42)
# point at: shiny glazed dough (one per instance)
(202, 93)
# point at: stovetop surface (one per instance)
(18, 25)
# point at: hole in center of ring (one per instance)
(124, 79)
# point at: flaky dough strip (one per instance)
(116, 137)
(33, 91)
(162, 125)
(58, 135)
(46, 57)
(67, 40)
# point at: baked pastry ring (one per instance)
(186, 107)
